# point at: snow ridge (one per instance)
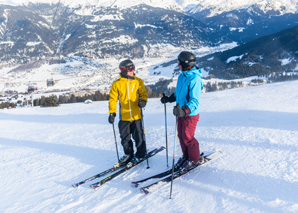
(215, 6)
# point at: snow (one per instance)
(249, 21)
(221, 6)
(234, 58)
(7, 42)
(45, 150)
(125, 39)
(145, 25)
(285, 61)
(240, 29)
(108, 17)
(194, 6)
(87, 73)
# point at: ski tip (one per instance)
(134, 185)
(161, 148)
(94, 186)
(144, 191)
(75, 185)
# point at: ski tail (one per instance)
(177, 174)
(135, 184)
(112, 176)
(76, 185)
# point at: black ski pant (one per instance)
(134, 129)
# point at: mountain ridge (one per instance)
(275, 53)
(42, 34)
(45, 30)
(213, 6)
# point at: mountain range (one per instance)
(275, 53)
(52, 30)
(33, 31)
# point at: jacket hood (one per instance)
(193, 71)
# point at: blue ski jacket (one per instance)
(189, 88)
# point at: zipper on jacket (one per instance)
(129, 100)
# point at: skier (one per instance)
(132, 96)
(187, 96)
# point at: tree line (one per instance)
(154, 91)
(65, 99)
(7, 105)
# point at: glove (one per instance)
(166, 99)
(181, 112)
(112, 118)
(142, 103)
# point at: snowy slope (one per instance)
(81, 72)
(44, 150)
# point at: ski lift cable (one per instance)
(73, 31)
(55, 13)
(84, 21)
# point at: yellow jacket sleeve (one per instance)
(142, 90)
(113, 99)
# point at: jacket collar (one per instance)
(127, 77)
(193, 71)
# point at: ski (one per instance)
(127, 167)
(135, 184)
(113, 169)
(177, 174)
(76, 185)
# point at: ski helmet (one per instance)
(126, 65)
(186, 60)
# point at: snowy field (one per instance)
(45, 150)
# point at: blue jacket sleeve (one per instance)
(195, 90)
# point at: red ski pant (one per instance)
(186, 130)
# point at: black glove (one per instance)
(166, 99)
(142, 103)
(112, 118)
(181, 112)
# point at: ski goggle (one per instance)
(128, 68)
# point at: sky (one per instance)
(45, 150)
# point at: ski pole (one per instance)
(166, 131)
(144, 138)
(116, 143)
(174, 157)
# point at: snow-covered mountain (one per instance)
(216, 7)
(194, 6)
(140, 29)
(270, 55)
(41, 31)
(35, 35)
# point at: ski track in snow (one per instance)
(45, 150)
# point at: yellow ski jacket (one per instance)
(127, 91)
